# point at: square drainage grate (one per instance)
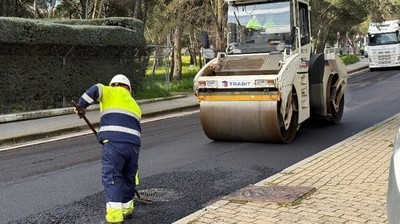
(278, 194)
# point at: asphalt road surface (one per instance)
(181, 169)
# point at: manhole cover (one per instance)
(159, 194)
(278, 194)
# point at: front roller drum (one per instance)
(250, 121)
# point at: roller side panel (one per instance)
(301, 86)
(317, 89)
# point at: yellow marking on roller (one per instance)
(274, 97)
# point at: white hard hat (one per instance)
(121, 79)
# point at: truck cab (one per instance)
(384, 44)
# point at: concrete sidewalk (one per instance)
(348, 180)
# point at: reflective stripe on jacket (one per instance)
(120, 114)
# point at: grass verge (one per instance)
(157, 84)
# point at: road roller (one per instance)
(269, 79)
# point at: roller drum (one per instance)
(254, 121)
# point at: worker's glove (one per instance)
(80, 111)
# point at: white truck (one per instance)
(269, 80)
(384, 44)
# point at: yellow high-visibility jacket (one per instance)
(120, 113)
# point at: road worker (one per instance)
(119, 133)
(253, 24)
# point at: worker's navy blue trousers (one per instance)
(119, 166)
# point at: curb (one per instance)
(64, 111)
(357, 69)
(331, 148)
(42, 135)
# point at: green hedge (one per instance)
(106, 32)
(350, 59)
(45, 64)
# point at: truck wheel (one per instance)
(336, 114)
(290, 119)
(335, 102)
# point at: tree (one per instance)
(159, 23)
(16, 8)
(68, 9)
(332, 16)
(218, 10)
(380, 10)
(183, 10)
(81, 9)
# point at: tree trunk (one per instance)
(218, 11)
(200, 61)
(322, 36)
(177, 72)
(51, 9)
(84, 8)
(177, 57)
(191, 53)
(16, 8)
(220, 41)
(172, 65)
(35, 10)
(2, 6)
(145, 13)
(194, 48)
(136, 11)
(101, 6)
(94, 9)
(155, 63)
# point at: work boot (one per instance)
(128, 216)
(105, 222)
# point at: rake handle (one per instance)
(84, 118)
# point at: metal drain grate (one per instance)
(159, 194)
(278, 194)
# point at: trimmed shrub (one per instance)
(46, 63)
(350, 59)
